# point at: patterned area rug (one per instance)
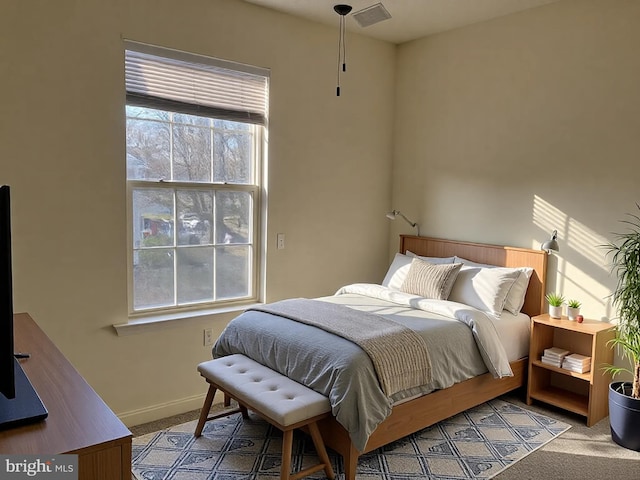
(476, 444)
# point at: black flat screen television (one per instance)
(19, 402)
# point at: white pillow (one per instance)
(469, 263)
(484, 288)
(434, 260)
(400, 267)
(515, 297)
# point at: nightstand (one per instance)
(582, 393)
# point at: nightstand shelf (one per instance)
(582, 393)
(570, 401)
(562, 371)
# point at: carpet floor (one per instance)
(476, 444)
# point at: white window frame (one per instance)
(256, 189)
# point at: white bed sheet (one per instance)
(514, 332)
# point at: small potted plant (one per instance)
(555, 301)
(573, 309)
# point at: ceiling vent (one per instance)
(371, 15)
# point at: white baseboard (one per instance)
(163, 410)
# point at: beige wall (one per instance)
(511, 128)
(62, 151)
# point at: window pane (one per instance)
(152, 218)
(191, 119)
(195, 274)
(233, 154)
(232, 271)
(153, 278)
(231, 125)
(191, 153)
(195, 217)
(148, 144)
(148, 113)
(234, 211)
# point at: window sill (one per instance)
(169, 320)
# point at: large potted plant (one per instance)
(624, 397)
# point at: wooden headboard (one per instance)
(534, 302)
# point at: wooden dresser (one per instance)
(79, 421)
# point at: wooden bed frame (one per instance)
(414, 415)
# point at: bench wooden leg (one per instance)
(320, 448)
(325, 463)
(208, 401)
(204, 413)
(287, 442)
(243, 409)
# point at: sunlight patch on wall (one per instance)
(578, 284)
(571, 232)
(548, 218)
(587, 243)
(580, 267)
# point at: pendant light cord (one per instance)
(340, 52)
(344, 44)
(342, 10)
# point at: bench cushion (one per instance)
(279, 398)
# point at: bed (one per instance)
(491, 368)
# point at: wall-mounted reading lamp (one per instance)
(551, 244)
(395, 213)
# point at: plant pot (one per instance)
(555, 312)
(624, 416)
(572, 313)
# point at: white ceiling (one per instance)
(410, 19)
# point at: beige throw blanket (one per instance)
(399, 355)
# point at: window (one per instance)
(194, 152)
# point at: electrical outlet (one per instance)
(280, 241)
(208, 337)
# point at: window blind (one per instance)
(177, 81)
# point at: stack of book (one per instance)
(554, 356)
(577, 363)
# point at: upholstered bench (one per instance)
(284, 403)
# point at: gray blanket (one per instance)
(399, 355)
